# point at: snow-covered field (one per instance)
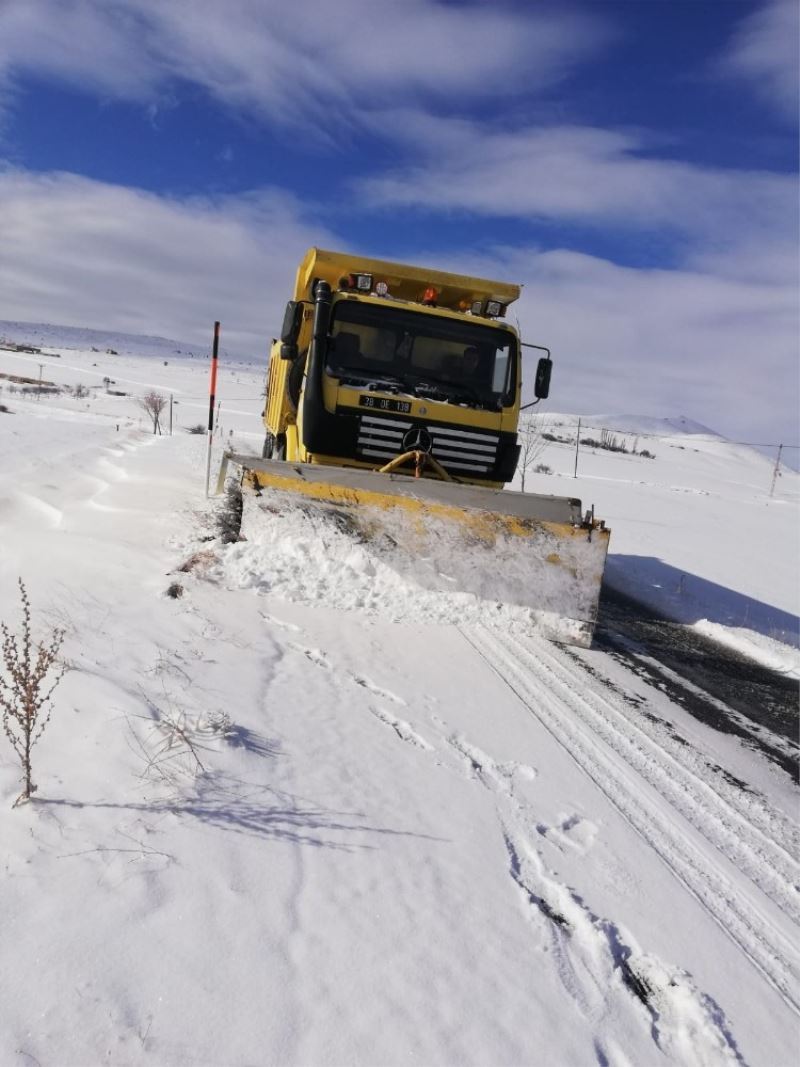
(311, 813)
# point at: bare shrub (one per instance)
(611, 443)
(172, 746)
(197, 428)
(80, 391)
(532, 443)
(153, 404)
(175, 591)
(198, 561)
(24, 689)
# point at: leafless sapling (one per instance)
(153, 404)
(532, 444)
(25, 689)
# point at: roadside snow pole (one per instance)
(212, 395)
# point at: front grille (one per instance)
(458, 451)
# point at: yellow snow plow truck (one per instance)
(393, 399)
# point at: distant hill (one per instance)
(647, 425)
(651, 424)
(47, 335)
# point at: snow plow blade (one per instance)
(533, 551)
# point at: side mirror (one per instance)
(292, 319)
(544, 369)
(288, 351)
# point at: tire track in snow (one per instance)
(688, 694)
(726, 821)
(547, 691)
(599, 965)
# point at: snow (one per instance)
(695, 531)
(316, 812)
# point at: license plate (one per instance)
(384, 403)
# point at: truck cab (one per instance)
(377, 359)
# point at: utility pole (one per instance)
(776, 471)
(577, 448)
(39, 394)
(170, 414)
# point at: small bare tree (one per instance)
(532, 443)
(24, 692)
(153, 404)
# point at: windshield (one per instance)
(461, 362)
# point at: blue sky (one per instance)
(164, 163)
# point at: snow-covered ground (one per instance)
(698, 532)
(311, 813)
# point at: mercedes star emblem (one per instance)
(417, 439)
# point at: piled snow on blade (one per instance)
(384, 563)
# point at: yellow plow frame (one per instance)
(526, 549)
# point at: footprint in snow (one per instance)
(273, 621)
(317, 657)
(377, 691)
(498, 777)
(403, 729)
(571, 830)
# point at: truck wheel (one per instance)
(268, 447)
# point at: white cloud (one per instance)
(85, 253)
(76, 41)
(303, 60)
(660, 342)
(718, 347)
(765, 50)
(576, 174)
(715, 340)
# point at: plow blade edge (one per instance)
(522, 549)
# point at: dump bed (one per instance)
(457, 292)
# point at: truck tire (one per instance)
(274, 446)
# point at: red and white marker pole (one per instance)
(212, 395)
